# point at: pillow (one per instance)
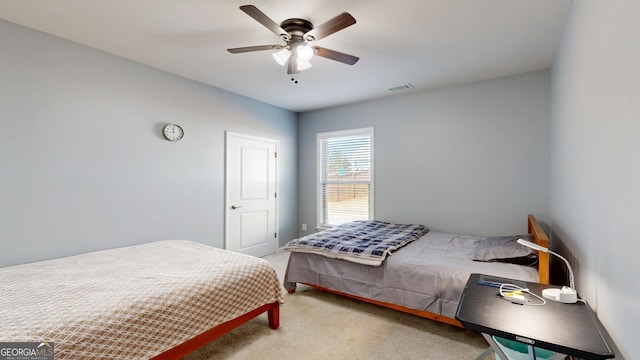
(501, 247)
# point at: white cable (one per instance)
(513, 288)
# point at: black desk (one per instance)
(570, 329)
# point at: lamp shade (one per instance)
(282, 56)
(303, 65)
(304, 52)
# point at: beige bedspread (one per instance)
(133, 302)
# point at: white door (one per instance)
(251, 205)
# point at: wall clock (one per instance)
(172, 132)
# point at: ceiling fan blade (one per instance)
(263, 19)
(325, 29)
(254, 48)
(336, 55)
(292, 65)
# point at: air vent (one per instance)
(406, 86)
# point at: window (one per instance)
(345, 186)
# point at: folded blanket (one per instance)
(365, 242)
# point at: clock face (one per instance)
(172, 132)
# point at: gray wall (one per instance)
(83, 165)
(469, 159)
(595, 178)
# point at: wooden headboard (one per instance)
(540, 238)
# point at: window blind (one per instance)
(346, 173)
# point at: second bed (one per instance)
(425, 277)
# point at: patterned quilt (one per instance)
(365, 242)
(134, 302)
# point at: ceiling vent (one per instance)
(406, 86)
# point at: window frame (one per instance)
(320, 137)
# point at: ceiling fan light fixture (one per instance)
(282, 56)
(297, 33)
(304, 52)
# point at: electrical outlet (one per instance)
(304, 227)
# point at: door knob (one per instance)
(235, 207)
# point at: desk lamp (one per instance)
(566, 294)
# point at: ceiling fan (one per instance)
(299, 35)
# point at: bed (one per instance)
(160, 300)
(424, 277)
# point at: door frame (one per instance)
(227, 204)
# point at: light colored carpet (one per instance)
(319, 325)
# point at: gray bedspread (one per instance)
(427, 274)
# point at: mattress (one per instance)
(428, 274)
(133, 302)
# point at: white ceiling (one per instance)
(427, 43)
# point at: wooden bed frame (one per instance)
(539, 237)
(189, 346)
